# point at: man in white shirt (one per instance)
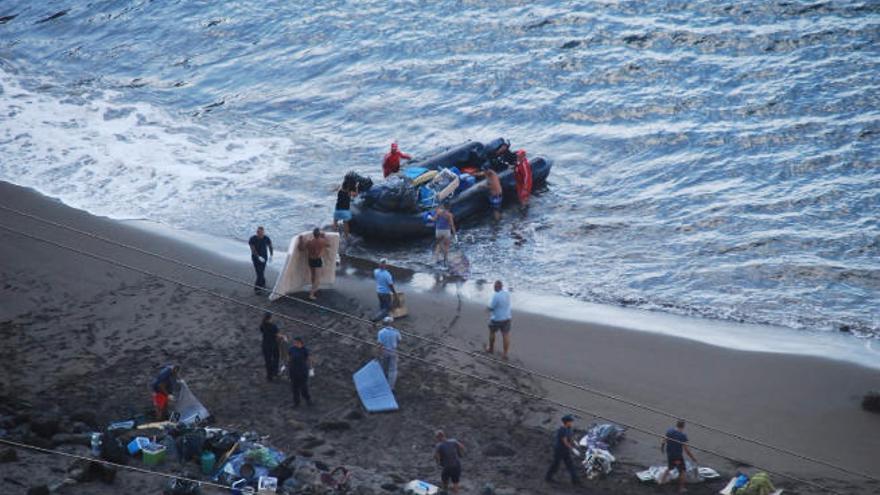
(499, 321)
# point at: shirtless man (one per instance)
(315, 248)
(493, 182)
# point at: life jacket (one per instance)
(523, 175)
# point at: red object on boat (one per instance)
(523, 175)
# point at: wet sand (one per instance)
(81, 333)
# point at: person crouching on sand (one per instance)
(163, 389)
(315, 248)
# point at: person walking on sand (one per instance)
(261, 252)
(270, 345)
(384, 288)
(448, 453)
(391, 162)
(562, 445)
(300, 365)
(444, 231)
(315, 247)
(499, 319)
(163, 389)
(496, 194)
(389, 339)
(675, 446)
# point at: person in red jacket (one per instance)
(391, 163)
(523, 174)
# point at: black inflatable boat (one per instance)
(379, 221)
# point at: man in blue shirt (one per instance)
(389, 339)
(384, 288)
(562, 445)
(675, 445)
(499, 321)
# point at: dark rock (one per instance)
(499, 450)
(45, 424)
(334, 425)
(85, 416)
(397, 478)
(329, 452)
(310, 443)
(305, 453)
(871, 402)
(38, 490)
(389, 487)
(571, 44)
(488, 489)
(8, 422)
(354, 415)
(84, 439)
(80, 427)
(8, 455)
(322, 466)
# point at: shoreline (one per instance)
(726, 334)
(806, 404)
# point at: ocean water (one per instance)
(712, 158)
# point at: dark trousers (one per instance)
(384, 304)
(260, 268)
(270, 355)
(299, 383)
(564, 456)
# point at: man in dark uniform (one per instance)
(270, 345)
(562, 446)
(300, 364)
(261, 251)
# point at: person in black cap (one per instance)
(562, 446)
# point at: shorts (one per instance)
(344, 215)
(316, 262)
(443, 234)
(676, 463)
(495, 202)
(451, 474)
(160, 400)
(502, 326)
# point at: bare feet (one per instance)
(488, 349)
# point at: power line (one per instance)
(449, 369)
(468, 352)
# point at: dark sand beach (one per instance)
(80, 334)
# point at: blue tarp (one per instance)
(373, 388)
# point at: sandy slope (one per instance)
(80, 333)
